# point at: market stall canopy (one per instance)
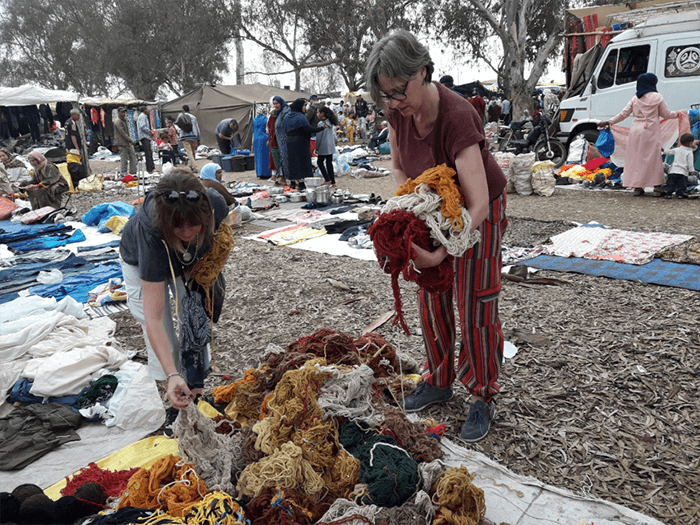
(212, 104)
(28, 95)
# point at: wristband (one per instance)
(172, 374)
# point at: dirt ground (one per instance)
(602, 395)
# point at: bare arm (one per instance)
(399, 176)
(153, 311)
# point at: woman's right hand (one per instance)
(178, 393)
(602, 125)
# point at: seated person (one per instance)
(47, 185)
(380, 137)
(211, 178)
(5, 186)
(75, 166)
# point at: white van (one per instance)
(667, 45)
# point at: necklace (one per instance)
(187, 257)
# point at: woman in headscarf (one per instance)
(47, 185)
(294, 137)
(211, 178)
(643, 165)
(260, 147)
(9, 160)
(277, 104)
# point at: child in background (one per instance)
(683, 166)
(349, 125)
(325, 144)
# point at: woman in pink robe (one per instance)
(643, 166)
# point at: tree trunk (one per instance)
(240, 62)
(297, 78)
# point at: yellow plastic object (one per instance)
(143, 453)
(91, 183)
(116, 223)
(63, 168)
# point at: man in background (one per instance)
(227, 135)
(143, 130)
(123, 140)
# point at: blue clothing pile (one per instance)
(37, 249)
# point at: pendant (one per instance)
(187, 257)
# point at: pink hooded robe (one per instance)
(643, 166)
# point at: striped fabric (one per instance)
(477, 283)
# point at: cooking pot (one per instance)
(296, 197)
(280, 198)
(279, 190)
(310, 196)
(323, 194)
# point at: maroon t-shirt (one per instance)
(458, 126)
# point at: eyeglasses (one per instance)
(171, 197)
(397, 95)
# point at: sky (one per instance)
(446, 63)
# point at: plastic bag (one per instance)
(91, 183)
(50, 277)
(605, 142)
(503, 159)
(577, 151)
(116, 224)
(543, 181)
(521, 165)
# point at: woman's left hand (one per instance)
(426, 259)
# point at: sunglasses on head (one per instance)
(172, 196)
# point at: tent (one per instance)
(28, 95)
(212, 104)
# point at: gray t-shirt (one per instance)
(141, 245)
(224, 128)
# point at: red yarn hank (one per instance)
(112, 482)
(392, 234)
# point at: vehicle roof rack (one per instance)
(639, 16)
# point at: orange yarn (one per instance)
(167, 485)
(441, 179)
(243, 398)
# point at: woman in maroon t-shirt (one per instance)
(430, 125)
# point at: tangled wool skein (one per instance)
(393, 234)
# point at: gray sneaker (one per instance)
(426, 395)
(478, 422)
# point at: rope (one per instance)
(348, 393)
(459, 502)
(217, 458)
(426, 204)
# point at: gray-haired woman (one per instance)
(431, 125)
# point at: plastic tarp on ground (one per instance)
(212, 104)
(28, 95)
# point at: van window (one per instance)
(606, 78)
(633, 62)
(682, 61)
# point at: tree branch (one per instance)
(300, 66)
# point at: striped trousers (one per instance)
(477, 285)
